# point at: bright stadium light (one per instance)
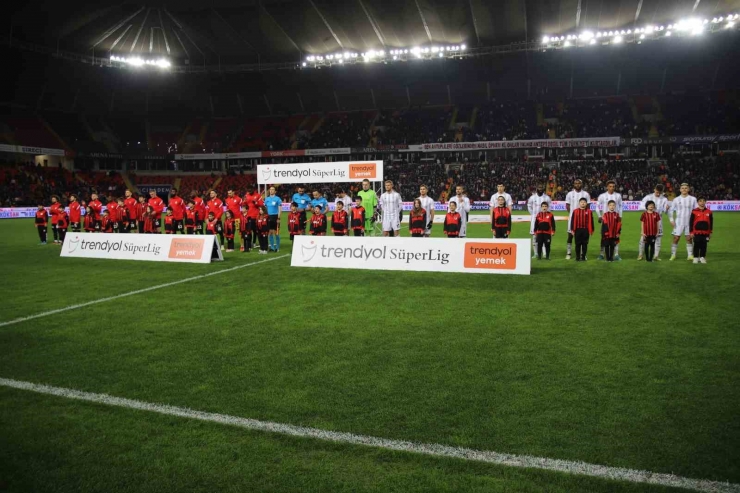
(642, 36)
(617, 39)
(463, 47)
(592, 42)
(649, 29)
(395, 57)
(587, 35)
(441, 55)
(566, 44)
(304, 64)
(730, 25)
(668, 34)
(545, 40)
(341, 60)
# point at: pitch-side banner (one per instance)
(523, 144)
(341, 172)
(413, 254)
(162, 248)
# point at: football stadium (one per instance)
(364, 246)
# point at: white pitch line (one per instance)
(138, 291)
(433, 449)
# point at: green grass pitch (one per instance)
(627, 364)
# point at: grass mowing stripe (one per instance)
(138, 291)
(524, 461)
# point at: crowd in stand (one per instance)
(717, 178)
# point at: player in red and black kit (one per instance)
(340, 220)
(156, 204)
(90, 225)
(151, 220)
(190, 217)
(62, 225)
(318, 222)
(544, 228)
(169, 223)
(200, 211)
(244, 230)
(112, 207)
(417, 220)
(611, 228)
(230, 226)
(357, 219)
(54, 209)
(262, 228)
(501, 214)
(119, 226)
(453, 221)
(215, 206)
(233, 203)
(295, 221)
(96, 209)
(129, 216)
(41, 219)
(650, 226)
(177, 206)
(701, 224)
(75, 213)
(582, 227)
(141, 211)
(254, 201)
(106, 225)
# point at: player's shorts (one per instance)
(391, 224)
(531, 225)
(272, 221)
(75, 226)
(680, 229)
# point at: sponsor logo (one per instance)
(490, 256)
(266, 173)
(362, 170)
(73, 244)
(186, 248)
(309, 252)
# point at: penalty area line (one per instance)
(431, 449)
(138, 291)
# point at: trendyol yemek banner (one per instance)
(340, 172)
(523, 144)
(413, 254)
(162, 248)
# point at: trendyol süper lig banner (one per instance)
(479, 256)
(162, 248)
(340, 172)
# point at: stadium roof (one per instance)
(268, 31)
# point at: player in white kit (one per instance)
(603, 206)
(661, 207)
(680, 216)
(534, 206)
(501, 192)
(392, 206)
(463, 208)
(571, 204)
(427, 203)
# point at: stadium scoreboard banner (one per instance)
(479, 256)
(199, 249)
(339, 172)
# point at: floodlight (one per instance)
(730, 25)
(592, 42)
(381, 53)
(463, 47)
(617, 39)
(395, 57)
(567, 44)
(649, 29)
(341, 61)
(587, 35)
(304, 64)
(441, 55)
(346, 54)
(545, 40)
(642, 36)
(668, 33)
(722, 18)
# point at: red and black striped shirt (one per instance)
(611, 226)
(582, 219)
(650, 221)
(501, 218)
(544, 223)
